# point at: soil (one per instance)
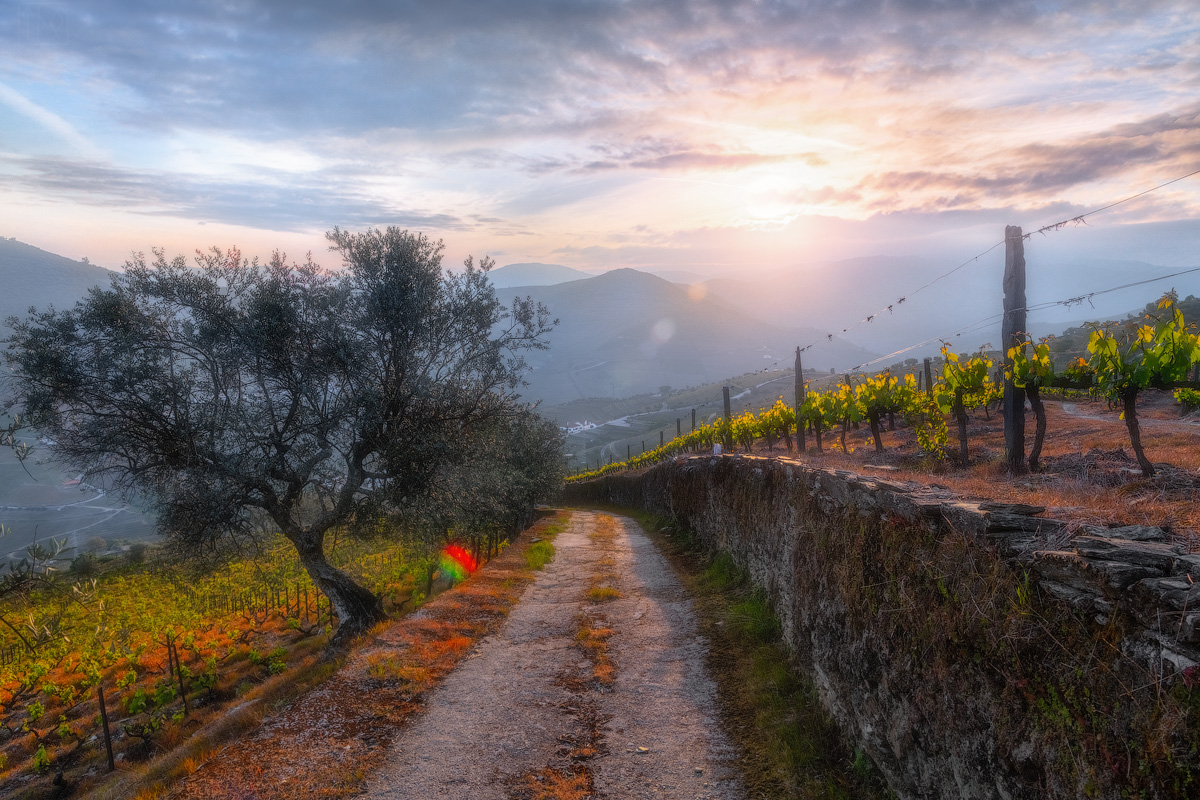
(529, 714)
(1088, 474)
(585, 680)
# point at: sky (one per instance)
(713, 138)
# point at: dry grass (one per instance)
(789, 746)
(555, 784)
(592, 638)
(1089, 475)
(602, 594)
(325, 744)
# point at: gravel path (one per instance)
(524, 709)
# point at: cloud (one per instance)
(574, 121)
(313, 203)
(693, 159)
(49, 121)
(1037, 170)
(268, 66)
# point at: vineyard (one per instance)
(1158, 353)
(134, 658)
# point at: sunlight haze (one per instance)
(704, 140)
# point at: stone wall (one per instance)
(971, 650)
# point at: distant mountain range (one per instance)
(30, 276)
(534, 274)
(628, 332)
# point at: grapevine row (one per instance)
(1158, 354)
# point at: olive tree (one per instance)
(232, 391)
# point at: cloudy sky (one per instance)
(710, 137)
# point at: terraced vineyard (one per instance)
(171, 652)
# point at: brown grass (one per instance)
(1089, 475)
(592, 637)
(325, 744)
(602, 594)
(556, 784)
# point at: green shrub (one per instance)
(1188, 399)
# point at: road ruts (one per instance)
(523, 703)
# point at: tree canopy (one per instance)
(232, 391)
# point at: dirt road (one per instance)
(585, 691)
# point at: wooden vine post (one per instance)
(112, 765)
(1010, 336)
(799, 402)
(728, 421)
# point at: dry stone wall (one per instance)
(972, 650)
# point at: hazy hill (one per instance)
(627, 332)
(38, 504)
(837, 295)
(30, 276)
(533, 274)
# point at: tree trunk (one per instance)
(874, 420)
(817, 434)
(845, 425)
(1039, 412)
(960, 413)
(1129, 402)
(357, 608)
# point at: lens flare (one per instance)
(456, 563)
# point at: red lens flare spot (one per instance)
(456, 562)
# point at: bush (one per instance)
(83, 565)
(1188, 399)
(137, 553)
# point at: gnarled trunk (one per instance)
(1039, 412)
(960, 414)
(1129, 406)
(873, 418)
(357, 609)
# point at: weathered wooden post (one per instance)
(678, 427)
(104, 724)
(728, 421)
(1010, 336)
(928, 375)
(628, 451)
(799, 402)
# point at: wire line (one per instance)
(1044, 229)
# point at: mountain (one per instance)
(40, 502)
(30, 276)
(533, 274)
(627, 332)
